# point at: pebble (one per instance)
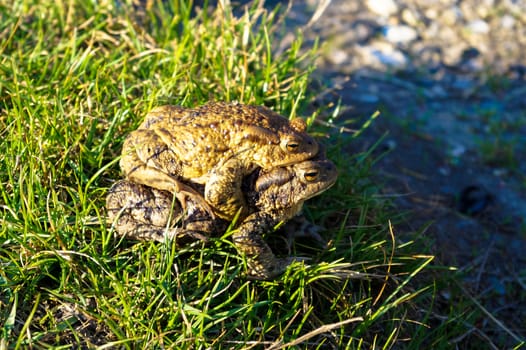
(500, 172)
(384, 8)
(365, 98)
(410, 17)
(478, 26)
(474, 200)
(435, 92)
(446, 25)
(390, 144)
(463, 83)
(457, 151)
(338, 56)
(450, 16)
(399, 34)
(384, 56)
(444, 171)
(507, 22)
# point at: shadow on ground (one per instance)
(448, 79)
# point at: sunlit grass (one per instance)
(75, 78)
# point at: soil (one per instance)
(448, 78)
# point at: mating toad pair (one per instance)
(189, 172)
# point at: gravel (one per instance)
(449, 80)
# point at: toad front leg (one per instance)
(262, 263)
(223, 189)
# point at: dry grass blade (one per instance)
(322, 6)
(495, 320)
(311, 334)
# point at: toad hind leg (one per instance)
(157, 179)
(144, 213)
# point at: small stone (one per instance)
(365, 98)
(390, 145)
(507, 21)
(383, 55)
(474, 199)
(500, 172)
(399, 34)
(463, 83)
(444, 171)
(450, 16)
(478, 26)
(384, 8)
(410, 18)
(458, 150)
(436, 91)
(338, 56)
(431, 13)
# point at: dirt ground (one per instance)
(448, 78)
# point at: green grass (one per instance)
(500, 145)
(74, 80)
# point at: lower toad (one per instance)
(273, 196)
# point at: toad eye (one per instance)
(292, 146)
(311, 175)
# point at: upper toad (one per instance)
(216, 145)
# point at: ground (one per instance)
(448, 80)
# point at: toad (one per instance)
(214, 145)
(272, 196)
